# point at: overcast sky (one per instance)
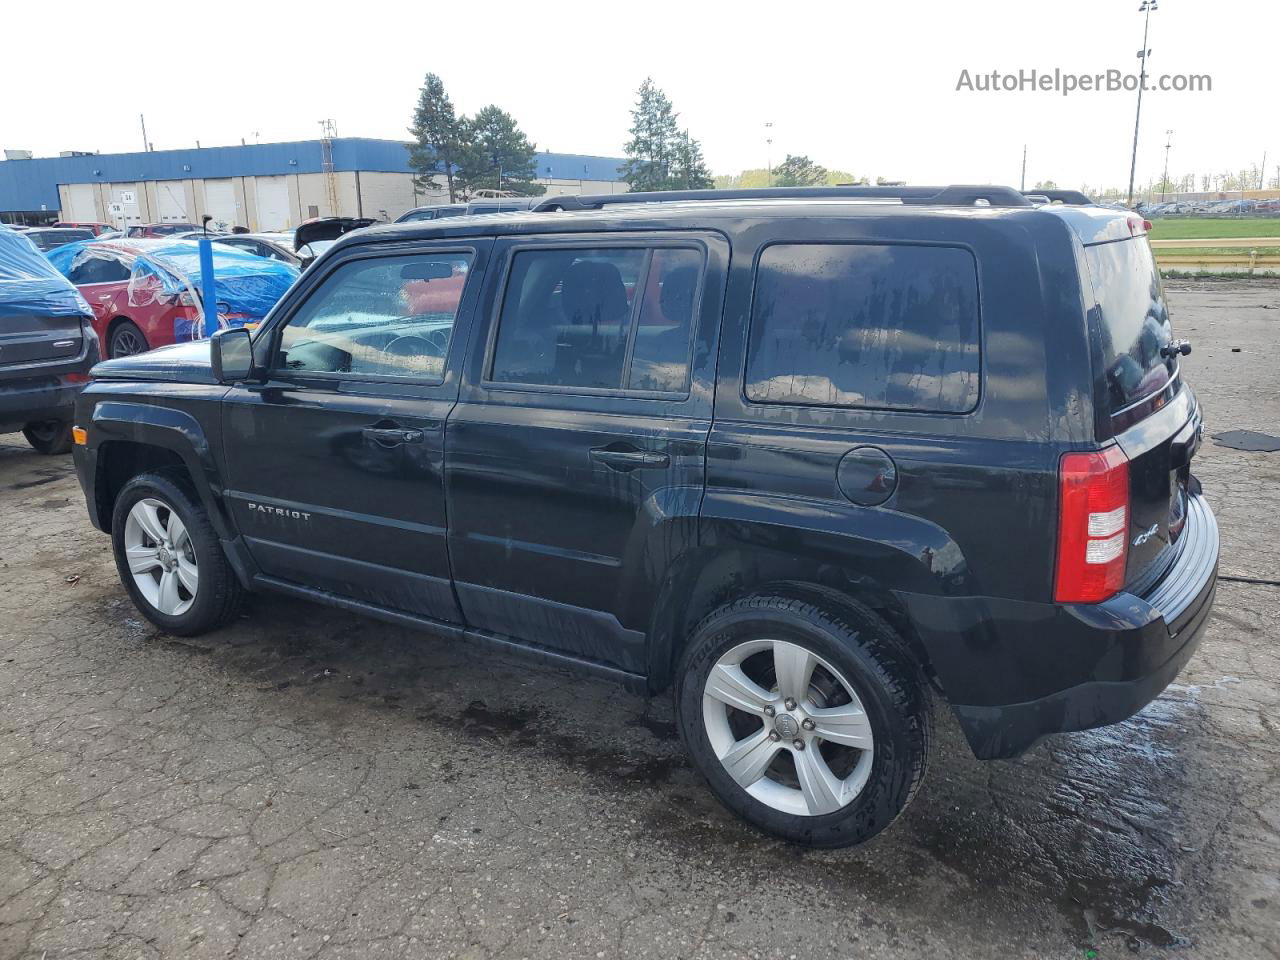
(864, 87)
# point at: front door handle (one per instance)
(392, 436)
(630, 459)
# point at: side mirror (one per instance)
(232, 355)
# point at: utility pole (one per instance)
(768, 153)
(1146, 8)
(1262, 172)
(145, 145)
(1164, 181)
(1023, 185)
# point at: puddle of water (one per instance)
(1250, 440)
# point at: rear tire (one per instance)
(854, 680)
(169, 558)
(49, 437)
(126, 340)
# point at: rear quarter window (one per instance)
(890, 326)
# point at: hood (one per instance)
(179, 363)
(327, 228)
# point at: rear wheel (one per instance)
(169, 557)
(126, 340)
(50, 437)
(806, 714)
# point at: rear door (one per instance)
(1141, 398)
(576, 454)
(335, 464)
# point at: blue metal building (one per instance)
(31, 186)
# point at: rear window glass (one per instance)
(1133, 320)
(865, 325)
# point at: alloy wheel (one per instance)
(161, 557)
(787, 727)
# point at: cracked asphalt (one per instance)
(313, 785)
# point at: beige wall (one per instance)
(393, 193)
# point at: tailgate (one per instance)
(28, 338)
(1160, 449)
(1141, 399)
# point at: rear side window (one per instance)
(865, 325)
(1133, 320)
(600, 319)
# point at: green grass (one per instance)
(1207, 251)
(1207, 228)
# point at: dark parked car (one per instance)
(139, 230)
(808, 457)
(474, 207)
(50, 238)
(47, 345)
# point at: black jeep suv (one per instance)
(808, 457)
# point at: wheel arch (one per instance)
(134, 438)
(709, 579)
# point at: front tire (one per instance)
(49, 437)
(169, 558)
(806, 714)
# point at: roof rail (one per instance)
(956, 195)
(1072, 198)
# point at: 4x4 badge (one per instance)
(1146, 535)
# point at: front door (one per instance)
(335, 462)
(575, 458)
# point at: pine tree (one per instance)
(651, 151)
(497, 155)
(437, 133)
(689, 171)
(799, 171)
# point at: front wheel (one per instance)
(806, 714)
(169, 558)
(50, 437)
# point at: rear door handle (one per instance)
(392, 436)
(630, 459)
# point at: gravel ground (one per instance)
(310, 784)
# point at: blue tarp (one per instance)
(30, 284)
(248, 286)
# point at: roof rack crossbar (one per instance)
(956, 195)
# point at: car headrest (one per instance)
(592, 292)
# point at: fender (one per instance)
(168, 429)
(746, 540)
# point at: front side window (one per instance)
(889, 326)
(389, 317)
(603, 318)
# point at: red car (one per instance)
(124, 325)
(97, 228)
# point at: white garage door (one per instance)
(220, 201)
(172, 201)
(125, 198)
(81, 199)
(273, 204)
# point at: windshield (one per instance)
(1132, 321)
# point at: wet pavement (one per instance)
(311, 784)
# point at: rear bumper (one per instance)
(34, 399)
(1016, 672)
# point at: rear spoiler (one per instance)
(1072, 198)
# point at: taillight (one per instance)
(1093, 525)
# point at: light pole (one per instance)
(1146, 8)
(768, 153)
(1164, 182)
